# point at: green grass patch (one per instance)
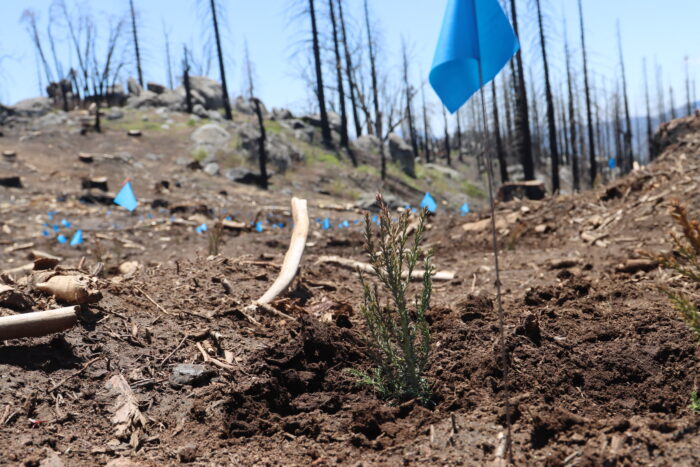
(368, 170)
(199, 154)
(472, 191)
(273, 127)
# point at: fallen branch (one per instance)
(209, 359)
(293, 256)
(38, 323)
(417, 274)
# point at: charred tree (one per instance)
(500, 151)
(650, 127)
(29, 17)
(168, 61)
(672, 102)
(426, 127)
(408, 93)
(373, 71)
(137, 50)
(572, 121)
(320, 94)
(523, 137)
(688, 99)
(344, 140)
(551, 117)
(349, 71)
(448, 149)
(593, 163)
(627, 135)
(460, 152)
(220, 54)
(186, 80)
(660, 94)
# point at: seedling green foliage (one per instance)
(695, 402)
(685, 260)
(398, 334)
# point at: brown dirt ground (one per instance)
(602, 366)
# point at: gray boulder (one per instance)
(401, 154)
(207, 91)
(144, 99)
(155, 87)
(172, 100)
(49, 120)
(115, 114)
(200, 111)
(369, 144)
(446, 171)
(211, 138)
(334, 120)
(212, 169)
(5, 113)
(34, 107)
(281, 114)
(247, 106)
(135, 89)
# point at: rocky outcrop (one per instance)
(34, 107)
(207, 92)
(211, 138)
(155, 87)
(135, 89)
(247, 107)
(143, 99)
(401, 154)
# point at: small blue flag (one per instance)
(125, 198)
(45, 233)
(611, 163)
(50, 215)
(61, 239)
(55, 227)
(429, 203)
(201, 228)
(259, 226)
(326, 224)
(228, 218)
(464, 210)
(77, 238)
(475, 35)
(65, 223)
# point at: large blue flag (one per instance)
(126, 198)
(473, 32)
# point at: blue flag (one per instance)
(429, 203)
(464, 210)
(474, 32)
(77, 238)
(125, 198)
(611, 163)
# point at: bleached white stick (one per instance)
(294, 253)
(38, 323)
(417, 274)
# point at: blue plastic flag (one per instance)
(326, 224)
(429, 203)
(45, 233)
(475, 34)
(228, 218)
(611, 163)
(77, 238)
(201, 229)
(51, 214)
(61, 239)
(464, 210)
(55, 227)
(65, 223)
(259, 226)
(125, 198)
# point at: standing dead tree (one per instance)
(262, 141)
(134, 33)
(522, 119)
(551, 118)
(215, 8)
(168, 57)
(500, 150)
(29, 17)
(426, 127)
(448, 149)
(627, 135)
(575, 172)
(371, 48)
(650, 127)
(344, 139)
(688, 99)
(593, 163)
(320, 93)
(408, 93)
(105, 72)
(349, 70)
(186, 79)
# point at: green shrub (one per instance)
(200, 154)
(398, 335)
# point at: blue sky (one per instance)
(663, 31)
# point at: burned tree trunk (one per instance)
(551, 123)
(426, 127)
(593, 163)
(349, 71)
(500, 151)
(460, 154)
(448, 149)
(650, 128)
(373, 71)
(344, 140)
(572, 122)
(186, 81)
(408, 91)
(137, 50)
(522, 119)
(222, 68)
(320, 94)
(262, 152)
(627, 135)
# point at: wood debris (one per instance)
(38, 323)
(416, 275)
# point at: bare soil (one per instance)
(602, 366)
